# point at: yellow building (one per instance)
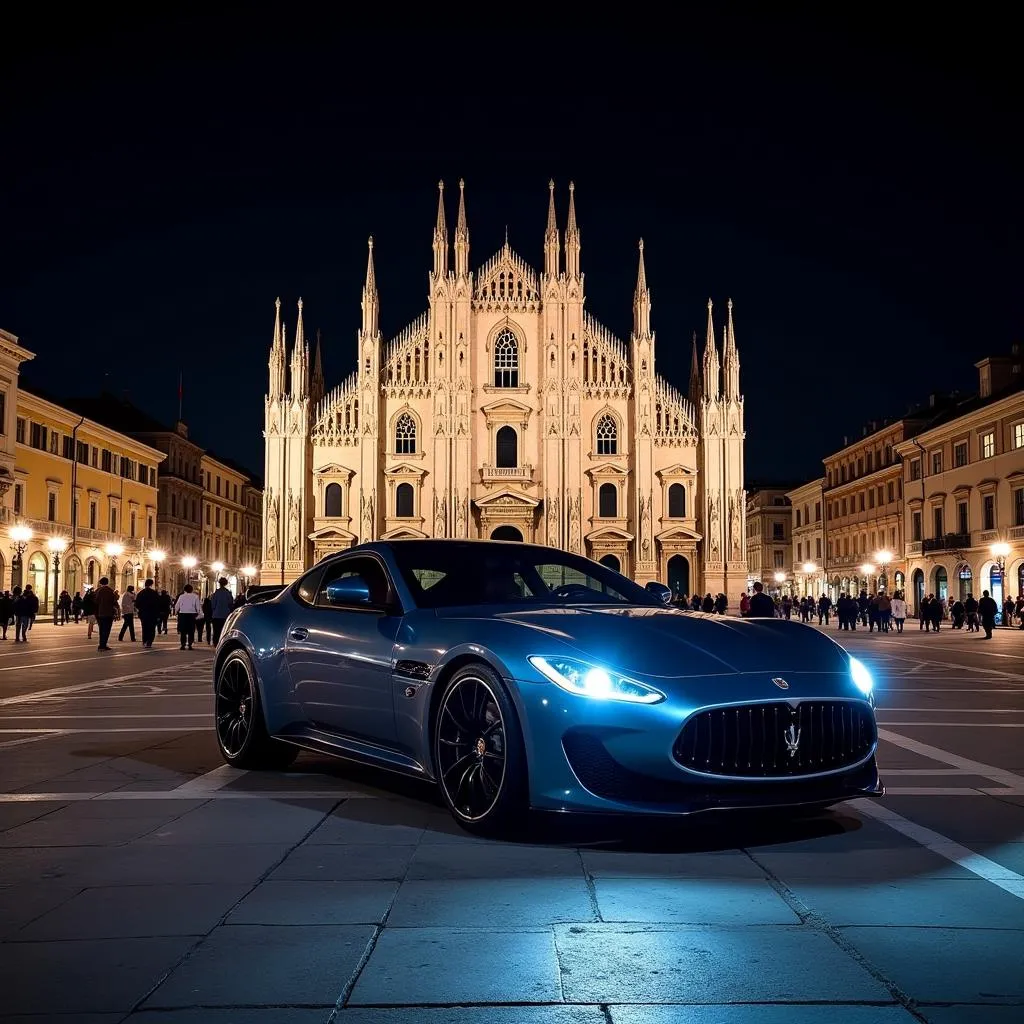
(232, 513)
(84, 501)
(808, 539)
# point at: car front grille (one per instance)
(777, 739)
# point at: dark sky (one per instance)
(854, 186)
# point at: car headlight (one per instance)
(861, 676)
(587, 680)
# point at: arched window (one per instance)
(608, 501)
(607, 436)
(507, 448)
(677, 501)
(404, 501)
(506, 359)
(332, 500)
(405, 435)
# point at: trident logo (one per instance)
(792, 738)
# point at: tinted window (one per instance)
(307, 586)
(447, 574)
(368, 568)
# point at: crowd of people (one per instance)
(101, 606)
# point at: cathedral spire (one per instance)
(278, 357)
(642, 300)
(551, 244)
(440, 236)
(572, 238)
(462, 235)
(300, 361)
(731, 361)
(300, 333)
(316, 382)
(712, 372)
(371, 303)
(695, 374)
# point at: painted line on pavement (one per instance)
(60, 691)
(33, 647)
(96, 732)
(982, 770)
(1008, 880)
(50, 734)
(74, 661)
(928, 771)
(177, 794)
(213, 780)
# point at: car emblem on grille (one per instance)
(780, 683)
(792, 738)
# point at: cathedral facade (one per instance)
(506, 410)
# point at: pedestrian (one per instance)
(787, 606)
(22, 614)
(166, 606)
(937, 610)
(207, 622)
(885, 612)
(32, 603)
(971, 608)
(761, 605)
(987, 609)
(221, 606)
(106, 610)
(745, 605)
(899, 610)
(127, 615)
(824, 609)
(76, 607)
(147, 608)
(189, 610)
(64, 607)
(89, 611)
(6, 611)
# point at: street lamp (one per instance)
(114, 552)
(158, 556)
(218, 568)
(1000, 550)
(809, 570)
(780, 578)
(868, 570)
(20, 536)
(884, 558)
(248, 574)
(189, 563)
(57, 545)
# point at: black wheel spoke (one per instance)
(234, 707)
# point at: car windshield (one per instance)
(448, 574)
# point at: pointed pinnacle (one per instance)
(641, 277)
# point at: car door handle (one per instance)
(299, 633)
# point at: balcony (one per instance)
(950, 542)
(492, 473)
(1016, 532)
(913, 548)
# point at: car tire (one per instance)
(239, 723)
(479, 755)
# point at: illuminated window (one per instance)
(988, 445)
(1018, 435)
(506, 360)
(607, 436)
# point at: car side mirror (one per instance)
(660, 591)
(348, 590)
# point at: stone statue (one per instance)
(368, 516)
(734, 527)
(713, 519)
(552, 503)
(460, 517)
(271, 527)
(293, 528)
(574, 524)
(440, 516)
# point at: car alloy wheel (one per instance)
(234, 706)
(471, 748)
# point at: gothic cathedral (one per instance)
(506, 410)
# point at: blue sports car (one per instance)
(519, 676)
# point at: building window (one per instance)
(405, 435)
(936, 463)
(891, 492)
(506, 359)
(132, 522)
(404, 501)
(3, 412)
(778, 557)
(778, 531)
(149, 527)
(19, 431)
(332, 501)
(817, 511)
(677, 501)
(988, 445)
(961, 518)
(915, 527)
(988, 512)
(507, 448)
(800, 552)
(51, 507)
(92, 515)
(1018, 432)
(915, 469)
(871, 498)
(113, 520)
(1018, 508)
(207, 510)
(37, 436)
(608, 501)
(17, 499)
(937, 521)
(798, 517)
(607, 436)
(817, 548)
(960, 454)
(860, 502)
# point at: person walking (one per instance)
(127, 615)
(761, 605)
(987, 609)
(221, 605)
(6, 611)
(22, 614)
(207, 622)
(64, 607)
(76, 607)
(166, 607)
(89, 611)
(106, 610)
(899, 611)
(189, 611)
(32, 604)
(147, 608)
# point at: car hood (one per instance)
(671, 643)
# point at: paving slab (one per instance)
(250, 1015)
(922, 902)
(88, 809)
(761, 1013)
(50, 831)
(12, 815)
(39, 864)
(474, 1015)
(101, 975)
(64, 1018)
(485, 860)
(23, 903)
(623, 864)
(413, 966)
(947, 965)
(963, 1014)
(686, 901)
(358, 862)
(978, 824)
(474, 903)
(749, 964)
(244, 965)
(342, 829)
(298, 903)
(126, 911)
(850, 865)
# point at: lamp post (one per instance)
(114, 552)
(20, 536)
(188, 563)
(883, 558)
(157, 556)
(218, 568)
(248, 574)
(57, 546)
(809, 570)
(1000, 550)
(780, 578)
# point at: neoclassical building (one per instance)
(507, 410)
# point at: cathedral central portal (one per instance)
(507, 411)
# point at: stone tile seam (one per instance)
(588, 879)
(259, 881)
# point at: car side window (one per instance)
(368, 568)
(307, 587)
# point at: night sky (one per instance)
(854, 187)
